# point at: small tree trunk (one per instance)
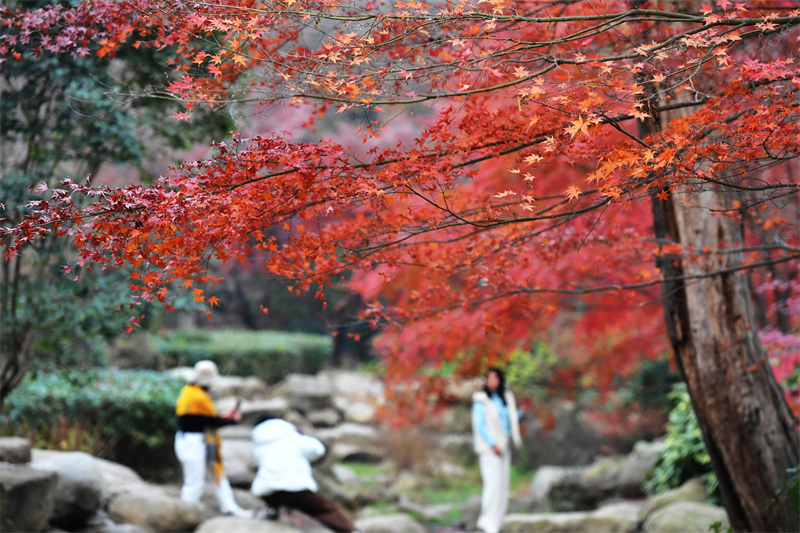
(747, 426)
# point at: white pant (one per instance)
(191, 451)
(495, 472)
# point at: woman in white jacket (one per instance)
(494, 423)
(284, 477)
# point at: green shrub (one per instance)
(127, 416)
(684, 455)
(270, 355)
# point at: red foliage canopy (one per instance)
(526, 199)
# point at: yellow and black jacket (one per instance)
(197, 414)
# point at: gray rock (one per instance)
(573, 522)
(240, 465)
(343, 452)
(428, 512)
(324, 418)
(524, 503)
(305, 392)
(470, 511)
(300, 422)
(359, 412)
(101, 523)
(634, 472)
(393, 523)
(546, 476)
(355, 385)
(155, 510)
(248, 388)
(345, 475)
(79, 490)
(15, 450)
(226, 524)
(349, 433)
(685, 517)
(692, 491)
(236, 432)
(252, 412)
(116, 478)
(448, 470)
(584, 488)
(27, 496)
(244, 498)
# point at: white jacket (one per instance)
(493, 423)
(284, 458)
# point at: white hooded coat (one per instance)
(284, 458)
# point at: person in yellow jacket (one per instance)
(197, 441)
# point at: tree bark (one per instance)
(747, 426)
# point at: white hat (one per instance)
(205, 372)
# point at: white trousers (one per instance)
(496, 473)
(191, 451)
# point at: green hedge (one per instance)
(127, 416)
(269, 355)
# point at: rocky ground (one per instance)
(72, 491)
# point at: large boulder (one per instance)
(620, 517)
(634, 472)
(15, 450)
(546, 476)
(249, 387)
(359, 412)
(306, 393)
(693, 490)
(349, 433)
(226, 524)
(116, 478)
(685, 517)
(470, 511)
(26, 497)
(355, 385)
(583, 488)
(393, 523)
(253, 412)
(101, 523)
(345, 475)
(324, 418)
(155, 510)
(351, 442)
(208, 500)
(79, 490)
(239, 462)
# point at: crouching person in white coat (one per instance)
(284, 477)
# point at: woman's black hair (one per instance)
(501, 387)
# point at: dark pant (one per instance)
(314, 505)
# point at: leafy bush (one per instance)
(270, 355)
(127, 416)
(684, 455)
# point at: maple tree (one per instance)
(604, 157)
(69, 115)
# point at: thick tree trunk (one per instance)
(747, 426)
